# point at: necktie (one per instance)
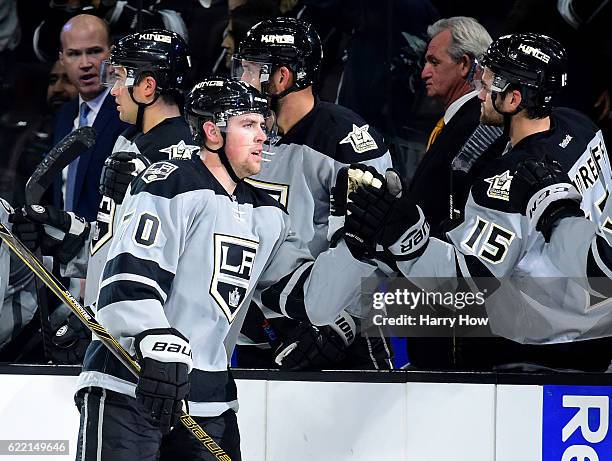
(435, 132)
(72, 168)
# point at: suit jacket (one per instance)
(430, 185)
(108, 127)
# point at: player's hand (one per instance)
(367, 205)
(118, 172)
(69, 343)
(29, 233)
(543, 192)
(164, 355)
(308, 347)
(57, 233)
(381, 213)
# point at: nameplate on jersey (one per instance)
(158, 172)
(103, 231)
(360, 139)
(279, 192)
(500, 186)
(234, 261)
(588, 168)
(180, 151)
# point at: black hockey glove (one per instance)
(367, 205)
(164, 355)
(544, 193)
(69, 343)
(118, 172)
(57, 233)
(388, 217)
(308, 347)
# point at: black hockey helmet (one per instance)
(535, 63)
(217, 99)
(277, 42)
(160, 52)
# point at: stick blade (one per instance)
(64, 152)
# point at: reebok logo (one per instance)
(565, 141)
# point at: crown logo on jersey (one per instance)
(158, 172)
(500, 186)
(234, 266)
(360, 140)
(234, 298)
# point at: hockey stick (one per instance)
(50, 168)
(64, 152)
(87, 317)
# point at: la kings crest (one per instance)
(103, 231)
(158, 172)
(500, 186)
(360, 140)
(234, 260)
(180, 150)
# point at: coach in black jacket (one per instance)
(454, 45)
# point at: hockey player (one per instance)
(511, 213)
(194, 240)
(282, 57)
(147, 73)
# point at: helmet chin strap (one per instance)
(224, 160)
(507, 115)
(276, 97)
(141, 106)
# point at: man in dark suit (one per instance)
(85, 43)
(455, 43)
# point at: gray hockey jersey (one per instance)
(188, 255)
(304, 163)
(543, 297)
(302, 168)
(168, 140)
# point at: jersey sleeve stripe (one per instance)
(270, 297)
(288, 295)
(292, 297)
(127, 290)
(599, 267)
(600, 256)
(125, 263)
